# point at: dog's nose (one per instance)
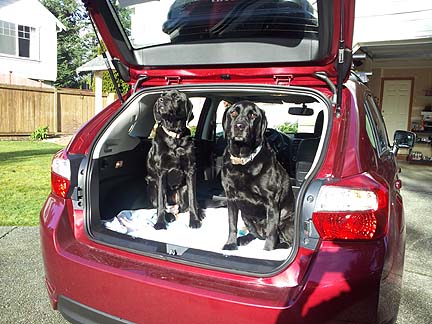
(240, 126)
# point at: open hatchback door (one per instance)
(190, 41)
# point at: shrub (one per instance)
(288, 127)
(39, 134)
(108, 85)
(192, 130)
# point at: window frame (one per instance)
(376, 121)
(24, 31)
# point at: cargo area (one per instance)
(119, 213)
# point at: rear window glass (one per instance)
(149, 23)
(279, 118)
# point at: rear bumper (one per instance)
(78, 313)
(87, 282)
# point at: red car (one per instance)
(104, 260)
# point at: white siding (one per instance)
(386, 20)
(32, 13)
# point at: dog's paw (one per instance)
(194, 223)
(169, 217)
(201, 214)
(269, 245)
(230, 246)
(245, 240)
(159, 226)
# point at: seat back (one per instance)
(307, 150)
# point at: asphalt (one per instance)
(23, 298)
(416, 303)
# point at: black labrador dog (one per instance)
(171, 160)
(254, 181)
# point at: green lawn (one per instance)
(24, 180)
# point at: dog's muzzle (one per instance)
(240, 132)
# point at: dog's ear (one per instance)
(189, 109)
(263, 126)
(225, 121)
(156, 113)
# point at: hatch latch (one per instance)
(283, 79)
(77, 197)
(172, 80)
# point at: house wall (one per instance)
(31, 13)
(387, 20)
(420, 71)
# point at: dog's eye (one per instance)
(253, 116)
(161, 99)
(234, 113)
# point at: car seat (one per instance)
(307, 150)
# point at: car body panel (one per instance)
(342, 284)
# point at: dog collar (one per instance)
(244, 160)
(171, 133)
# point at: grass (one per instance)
(24, 180)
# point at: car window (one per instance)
(197, 103)
(370, 132)
(378, 124)
(279, 118)
(149, 23)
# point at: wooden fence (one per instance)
(23, 109)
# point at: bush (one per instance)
(108, 85)
(39, 134)
(288, 128)
(192, 130)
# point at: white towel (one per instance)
(210, 237)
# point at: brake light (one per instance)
(60, 174)
(354, 208)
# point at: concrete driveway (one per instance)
(23, 298)
(416, 306)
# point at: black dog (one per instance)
(171, 160)
(254, 181)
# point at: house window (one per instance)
(18, 40)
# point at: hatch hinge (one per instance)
(283, 79)
(141, 78)
(323, 76)
(173, 80)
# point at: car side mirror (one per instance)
(403, 139)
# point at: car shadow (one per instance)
(12, 157)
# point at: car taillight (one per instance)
(355, 208)
(60, 174)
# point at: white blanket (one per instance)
(210, 237)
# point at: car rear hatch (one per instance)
(276, 42)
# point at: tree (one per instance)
(75, 45)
